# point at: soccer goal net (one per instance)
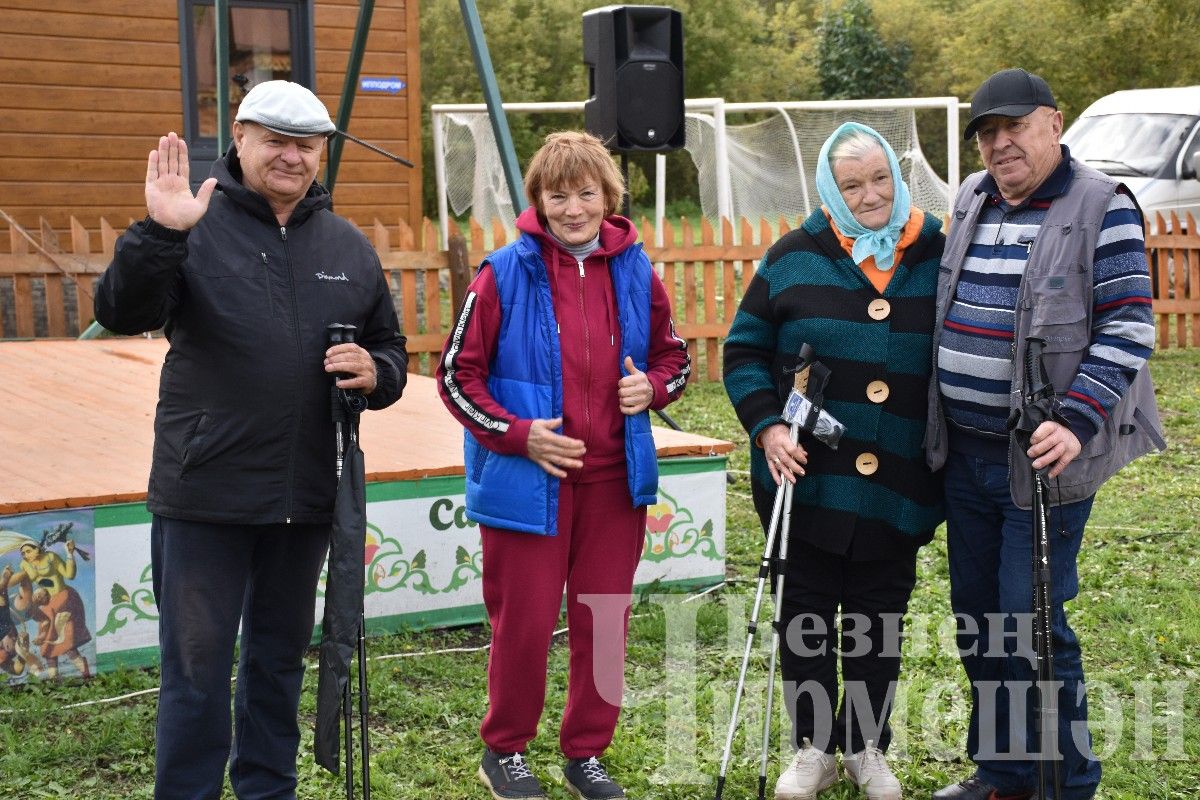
(772, 158)
(753, 160)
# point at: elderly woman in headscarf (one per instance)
(856, 281)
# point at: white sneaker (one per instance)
(810, 772)
(868, 770)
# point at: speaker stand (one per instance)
(625, 176)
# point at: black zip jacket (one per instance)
(243, 432)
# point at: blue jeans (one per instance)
(990, 544)
(207, 577)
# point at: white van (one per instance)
(1150, 140)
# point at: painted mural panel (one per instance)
(47, 596)
(422, 568)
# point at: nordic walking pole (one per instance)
(801, 385)
(751, 628)
(363, 703)
(764, 570)
(347, 406)
(1039, 391)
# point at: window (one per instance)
(1189, 152)
(268, 40)
(1129, 144)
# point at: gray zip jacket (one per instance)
(1055, 304)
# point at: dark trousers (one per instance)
(872, 597)
(208, 577)
(990, 545)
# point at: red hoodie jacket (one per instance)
(590, 341)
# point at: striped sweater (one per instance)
(975, 347)
(807, 289)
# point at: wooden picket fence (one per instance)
(1173, 250)
(46, 288)
(704, 274)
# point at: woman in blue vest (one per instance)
(563, 344)
(857, 281)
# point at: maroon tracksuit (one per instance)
(600, 533)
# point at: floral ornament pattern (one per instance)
(467, 567)
(388, 570)
(671, 532)
(129, 606)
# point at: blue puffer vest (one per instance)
(525, 376)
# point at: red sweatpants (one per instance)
(595, 554)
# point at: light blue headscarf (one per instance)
(880, 243)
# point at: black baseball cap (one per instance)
(1008, 93)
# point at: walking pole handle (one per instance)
(345, 401)
(804, 360)
(1037, 383)
(340, 333)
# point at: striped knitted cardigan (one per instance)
(807, 289)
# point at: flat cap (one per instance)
(1008, 93)
(287, 108)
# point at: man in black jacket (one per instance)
(244, 277)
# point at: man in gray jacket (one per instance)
(244, 277)
(1039, 245)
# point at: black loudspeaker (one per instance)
(634, 56)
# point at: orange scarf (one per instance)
(879, 278)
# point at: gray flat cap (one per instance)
(287, 108)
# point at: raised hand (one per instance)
(634, 392)
(169, 199)
(552, 451)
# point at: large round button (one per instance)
(866, 464)
(879, 309)
(877, 391)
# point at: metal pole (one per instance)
(349, 86)
(780, 577)
(628, 202)
(363, 707)
(221, 31)
(952, 142)
(439, 176)
(724, 195)
(660, 196)
(491, 94)
(348, 725)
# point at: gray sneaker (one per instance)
(588, 780)
(811, 772)
(868, 770)
(508, 776)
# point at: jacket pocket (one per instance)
(1060, 310)
(479, 462)
(194, 442)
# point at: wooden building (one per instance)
(86, 89)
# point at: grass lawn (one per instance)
(1137, 614)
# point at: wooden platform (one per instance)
(77, 425)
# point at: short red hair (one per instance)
(569, 159)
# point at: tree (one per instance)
(853, 59)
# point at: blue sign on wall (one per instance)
(386, 85)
